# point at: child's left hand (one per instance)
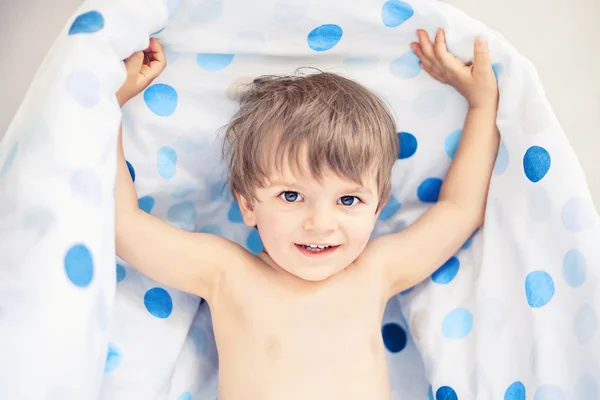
(142, 68)
(476, 82)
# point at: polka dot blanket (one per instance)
(513, 315)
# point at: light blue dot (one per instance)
(166, 162)
(457, 324)
(451, 142)
(161, 99)
(395, 13)
(577, 215)
(113, 358)
(235, 214)
(79, 265)
(8, 162)
(429, 190)
(430, 393)
(200, 340)
(445, 393)
(121, 273)
(206, 11)
(89, 22)
(574, 268)
(536, 163)
(447, 272)
(290, 11)
(254, 243)
(586, 388)
(539, 288)
(212, 229)
(498, 69)
(158, 302)
(549, 392)
(406, 66)
(324, 37)
(585, 324)
(391, 208)
(407, 143)
(38, 220)
(131, 170)
(214, 62)
(516, 391)
(365, 63)
(86, 185)
(219, 191)
(182, 215)
(172, 6)
(185, 396)
(182, 192)
(502, 160)
(146, 203)
(84, 87)
(429, 104)
(394, 337)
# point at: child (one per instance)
(310, 162)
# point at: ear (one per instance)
(247, 210)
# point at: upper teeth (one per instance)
(314, 246)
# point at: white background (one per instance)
(561, 38)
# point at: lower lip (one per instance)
(316, 253)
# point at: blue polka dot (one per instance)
(429, 190)
(577, 215)
(451, 142)
(394, 337)
(12, 154)
(84, 87)
(199, 339)
(182, 192)
(85, 184)
(539, 288)
(585, 324)
(172, 6)
(161, 99)
(166, 162)
(469, 241)
(158, 302)
(408, 145)
(536, 163)
(79, 265)
(391, 208)
(146, 203)
(574, 268)
(446, 273)
(406, 66)
(429, 104)
(549, 392)
(502, 160)
(516, 391)
(457, 324)
(89, 22)
(586, 388)
(361, 63)
(214, 62)
(445, 393)
(212, 229)
(206, 11)
(498, 69)
(324, 37)
(157, 32)
(395, 13)
(430, 393)
(131, 170)
(235, 214)
(182, 215)
(185, 396)
(254, 243)
(121, 273)
(113, 358)
(219, 191)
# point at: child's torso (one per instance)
(279, 339)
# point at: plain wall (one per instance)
(562, 40)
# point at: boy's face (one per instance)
(313, 228)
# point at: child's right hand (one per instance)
(477, 82)
(142, 68)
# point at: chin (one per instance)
(315, 274)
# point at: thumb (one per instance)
(135, 61)
(482, 60)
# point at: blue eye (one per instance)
(348, 200)
(290, 197)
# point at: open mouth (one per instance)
(316, 249)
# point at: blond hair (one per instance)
(320, 121)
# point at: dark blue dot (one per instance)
(235, 214)
(549, 392)
(394, 337)
(183, 215)
(131, 170)
(408, 145)
(406, 66)
(574, 268)
(185, 396)
(146, 203)
(395, 12)
(324, 37)
(9, 160)
(166, 162)
(445, 393)
(536, 163)
(113, 358)
(121, 273)
(451, 142)
(447, 272)
(515, 391)
(430, 393)
(469, 241)
(457, 324)
(391, 208)
(429, 190)
(79, 265)
(214, 62)
(90, 22)
(158, 302)
(539, 288)
(254, 242)
(161, 99)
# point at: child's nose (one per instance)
(320, 218)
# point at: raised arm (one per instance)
(414, 254)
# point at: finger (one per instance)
(425, 45)
(482, 57)
(416, 48)
(432, 72)
(440, 49)
(135, 60)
